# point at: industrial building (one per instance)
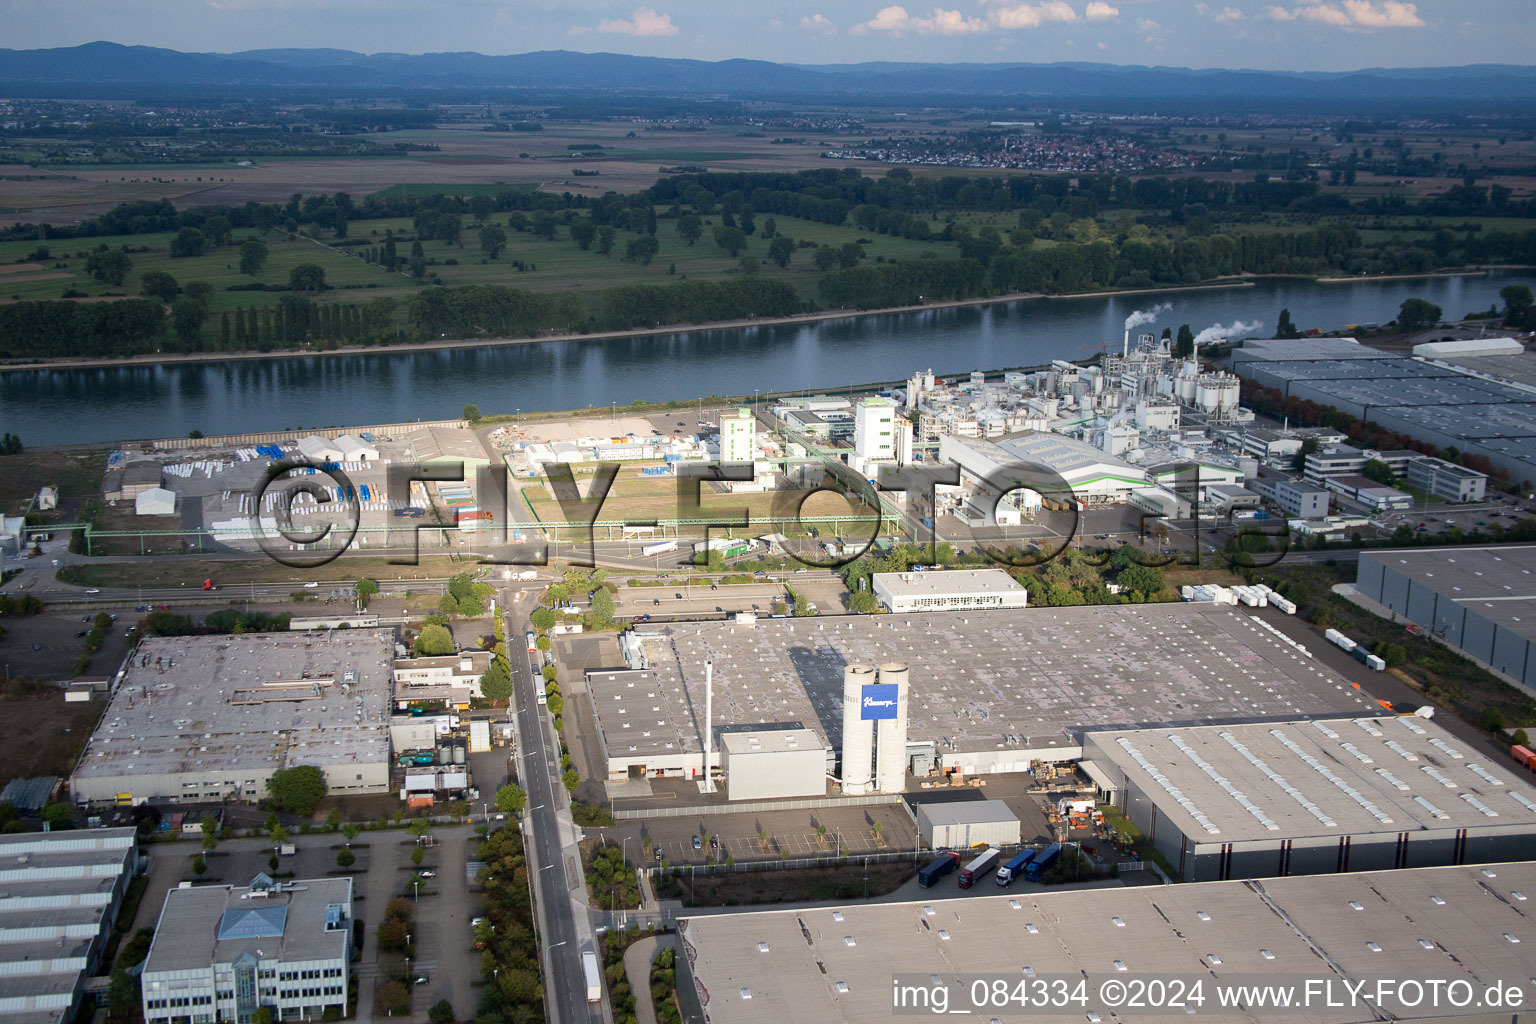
(62, 891)
(1298, 500)
(773, 764)
(212, 717)
(1306, 798)
(737, 436)
(1445, 480)
(1477, 599)
(1229, 499)
(989, 691)
(222, 952)
(157, 501)
(1471, 405)
(1377, 497)
(1087, 471)
(452, 679)
(128, 480)
(962, 824)
(1461, 924)
(1464, 348)
(449, 447)
(947, 591)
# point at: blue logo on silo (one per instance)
(878, 701)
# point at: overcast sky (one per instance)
(1325, 35)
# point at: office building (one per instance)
(222, 952)
(737, 437)
(1445, 480)
(948, 590)
(1299, 501)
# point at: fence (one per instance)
(788, 864)
(273, 436)
(759, 806)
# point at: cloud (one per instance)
(940, 23)
(818, 23)
(644, 22)
(1033, 15)
(1229, 16)
(1098, 10)
(1353, 15)
(1156, 35)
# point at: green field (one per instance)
(642, 499)
(550, 266)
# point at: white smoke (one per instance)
(1140, 317)
(1216, 332)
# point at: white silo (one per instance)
(858, 732)
(891, 735)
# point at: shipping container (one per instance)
(1039, 865)
(1524, 757)
(937, 869)
(593, 976)
(978, 867)
(659, 548)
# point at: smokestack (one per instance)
(1125, 346)
(708, 785)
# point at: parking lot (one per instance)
(444, 904)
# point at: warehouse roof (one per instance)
(770, 741)
(212, 924)
(980, 680)
(965, 812)
(259, 701)
(1306, 348)
(57, 892)
(1232, 783)
(949, 582)
(435, 444)
(837, 963)
(1498, 583)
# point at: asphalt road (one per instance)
(539, 770)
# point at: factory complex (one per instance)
(985, 691)
(210, 718)
(1299, 798)
(1467, 925)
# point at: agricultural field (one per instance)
(466, 156)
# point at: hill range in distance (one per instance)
(111, 69)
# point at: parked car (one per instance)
(698, 844)
(93, 590)
(426, 874)
(420, 979)
(656, 602)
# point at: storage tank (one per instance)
(444, 755)
(891, 735)
(858, 733)
(458, 753)
(1217, 395)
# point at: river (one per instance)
(72, 406)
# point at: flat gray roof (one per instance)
(979, 680)
(949, 582)
(966, 812)
(432, 443)
(1307, 348)
(52, 883)
(209, 924)
(1400, 773)
(1499, 583)
(1445, 923)
(258, 701)
(771, 741)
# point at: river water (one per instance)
(90, 405)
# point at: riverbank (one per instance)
(170, 359)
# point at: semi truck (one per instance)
(594, 977)
(661, 547)
(1014, 868)
(978, 867)
(1037, 867)
(938, 868)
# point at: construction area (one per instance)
(210, 718)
